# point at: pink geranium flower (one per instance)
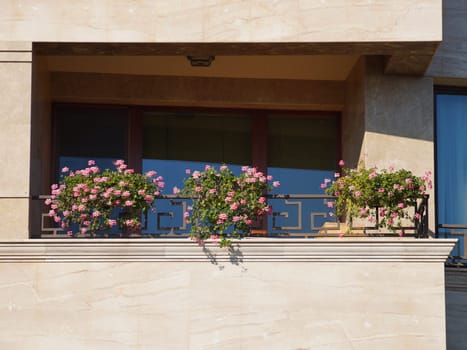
(86, 196)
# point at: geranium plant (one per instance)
(381, 196)
(226, 205)
(97, 201)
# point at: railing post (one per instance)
(425, 218)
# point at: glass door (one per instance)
(451, 166)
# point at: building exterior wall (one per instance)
(15, 121)
(265, 294)
(388, 119)
(450, 62)
(399, 123)
(87, 296)
(222, 21)
(353, 117)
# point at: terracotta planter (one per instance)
(259, 232)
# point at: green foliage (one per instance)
(225, 205)
(360, 192)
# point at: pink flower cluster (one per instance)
(226, 203)
(382, 196)
(89, 198)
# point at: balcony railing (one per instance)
(458, 255)
(293, 215)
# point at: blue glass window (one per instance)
(451, 175)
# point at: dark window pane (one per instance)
(91, 132)
(303, 143)
(209, 138)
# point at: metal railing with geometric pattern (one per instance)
(293, 215)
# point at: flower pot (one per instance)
(259, 232)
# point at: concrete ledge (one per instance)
(15, 56)
(16, 46)
(255, 249)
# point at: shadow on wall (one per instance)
(398, 105)
(234, 253)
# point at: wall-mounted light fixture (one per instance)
(201, 61)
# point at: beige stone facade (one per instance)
(222, 21)
(265, 294)
(376, 63)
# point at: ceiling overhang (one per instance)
(411, 58)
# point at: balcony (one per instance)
(274, 292)
(293, 216)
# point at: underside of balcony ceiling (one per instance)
(410, 58)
